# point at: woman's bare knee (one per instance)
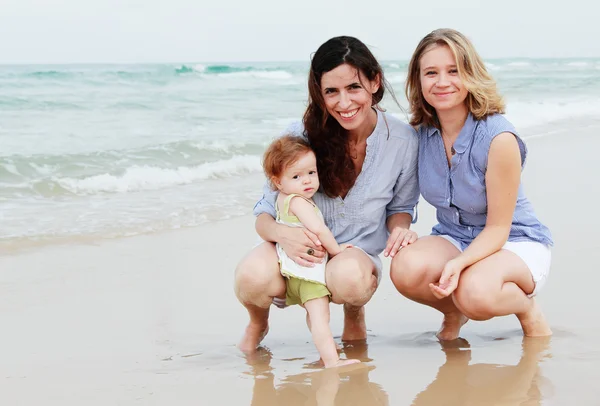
(408, 271)
(257, 277)
(474, 300)
(355, 287)
(419, 264)
(351, 278)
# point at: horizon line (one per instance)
(261, 61)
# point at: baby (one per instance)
(291, 167)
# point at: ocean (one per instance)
(106, 151)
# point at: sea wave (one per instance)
(38, 169)
(141, 73)
(139, 178)
(227, 71)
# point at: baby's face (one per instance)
(301, 177)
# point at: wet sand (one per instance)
(153, 320)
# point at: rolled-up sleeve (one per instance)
(406, 189)
(267, 203)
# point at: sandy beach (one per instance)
(153, 319)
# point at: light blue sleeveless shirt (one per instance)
(459, 193)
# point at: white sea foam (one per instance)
(579, 64)
(492, 66)
(43, 170)
(219, 145)
(261, 74)
(138, 178)
(529, 114)
(11, 168)
(199, 68)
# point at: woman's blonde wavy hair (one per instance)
(483, 98)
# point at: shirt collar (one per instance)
(464, 137)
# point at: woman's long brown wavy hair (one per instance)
(483, 98)
(328, 139)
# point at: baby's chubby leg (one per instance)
(337, 346)
(318, 321)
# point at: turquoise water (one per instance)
(113, 150)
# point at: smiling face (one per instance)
(440, 82)
(348, 97)
(301, 177)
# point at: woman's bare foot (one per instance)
(255, 332)
(534, 323)
(355, 327)
(342, 362)
(451, 326)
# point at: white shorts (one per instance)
(537, 257)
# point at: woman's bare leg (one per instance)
(352, 280)
(416, 266)
(498, 286)
(257, 281)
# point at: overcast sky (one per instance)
(63, 31)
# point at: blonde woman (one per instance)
(488, 255)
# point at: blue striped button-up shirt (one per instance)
(387, 184)
(459, 193)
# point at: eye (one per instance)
(454, 71)
(295, 177)
(330, 91)
(355, 86)
(429, 73)
(312, 172)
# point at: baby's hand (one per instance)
(342, 248)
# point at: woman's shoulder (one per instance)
(398, 129)
(295, 128)
(493, 125)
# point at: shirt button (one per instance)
(342, 215)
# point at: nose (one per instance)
(344, 102)
(306, 180)
(443, 80)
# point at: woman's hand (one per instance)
(301, 245)
(448, 280)
(399, 237)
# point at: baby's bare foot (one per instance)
(343, 362)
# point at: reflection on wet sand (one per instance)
(321, 387)
(458, 383)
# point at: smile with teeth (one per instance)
(349, 114)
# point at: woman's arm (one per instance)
(401, 211)
(502, 180)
